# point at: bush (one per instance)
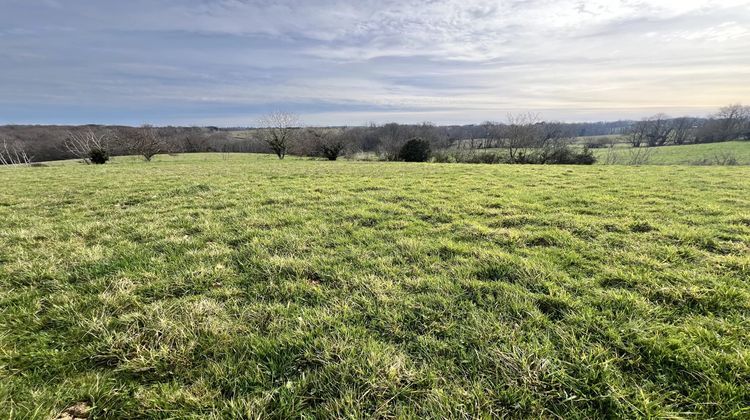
(332, 150)
(443, 157)
(558, 156)
(569, 156)
(600, 142)
(415, 150)
(98, 156)
(486, 157)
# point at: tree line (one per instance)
(731, 122)
(521, 138)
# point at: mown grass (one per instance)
(734, 152)
(212, 287)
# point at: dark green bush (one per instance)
(570, 156)
(332, 151)
(415, 150)
(98, 156)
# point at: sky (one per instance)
(227, 62)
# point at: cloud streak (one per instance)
(348, 62)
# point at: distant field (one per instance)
(226, 286)
(691, 154)
(734, 152)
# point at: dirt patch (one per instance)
(78, 411)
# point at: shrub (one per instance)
(332, 151)
(569, 156)
(415, 150)
(486, 157)
(585, 157)
(726, 159)
(600, 142)
(443, 157)
(98, 156)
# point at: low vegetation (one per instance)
(725, 153)
(227, 286)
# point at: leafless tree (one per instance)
(13, 154)
(733, 121)
(144, 141)
(520, 136)
(683, 130)
(430, 132)
(553, 139)
(492, 135)
(278, 131)
(327, 142)
(81, 144)
(612, 157)
(392, 138)
(192, 142)
(638, 156)
(637, 133)
(658, 130)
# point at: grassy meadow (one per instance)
(730, 152)
(220, 286)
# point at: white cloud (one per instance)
(459, 56)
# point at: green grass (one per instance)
(690, 154)
(708, 154)
(250, 287)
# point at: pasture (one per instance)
(219, 286)
(724, 153)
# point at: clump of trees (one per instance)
(48, 143)
(528, 139)
(653, 131)
(731, 122)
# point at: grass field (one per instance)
(689, 154)
(708, 154)
(209, 286)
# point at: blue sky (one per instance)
(226, 62)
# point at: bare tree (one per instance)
(520, 136)
(13, 154)
(637, 133)
(733, 120)
(683, 130)
(638, 156)
(82, 144)
(193, 141)
(432, 134)
(392, 138)
(554, 138)
(612, 157)
(491, 135)
(658, 130)
(327, 142)
(278, 131)
(144, 141)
